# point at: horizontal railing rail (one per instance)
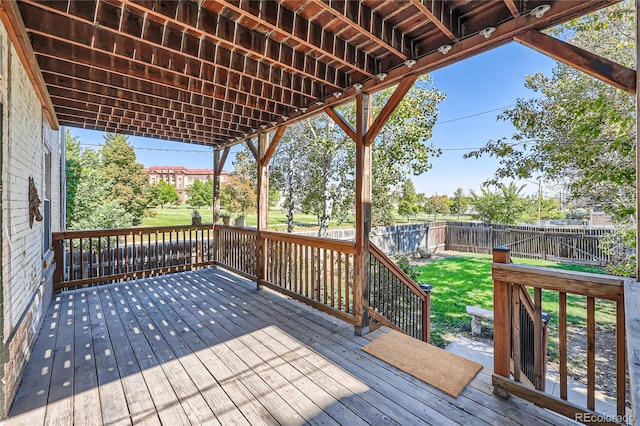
(510, 281)
(395, 300)
(90, 257)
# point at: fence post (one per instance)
(501, 322)
(58, 259)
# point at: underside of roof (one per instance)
(215, 72)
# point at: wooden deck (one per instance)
(207, 348)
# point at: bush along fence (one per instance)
(575, 245)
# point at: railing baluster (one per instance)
(539, 355)
(591, 353)
(562, 342)
(515, 332)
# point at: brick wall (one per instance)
(26, 284)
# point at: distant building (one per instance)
(181, 177)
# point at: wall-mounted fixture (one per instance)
(445, 48)
(358, 87)
(381, 76)
(285, 117)
(410, 63)
(337, 94)
(539, 11)
(486, 33)
(319, 103)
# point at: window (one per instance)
(46, 195)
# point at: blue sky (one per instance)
(483, 83)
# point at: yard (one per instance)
(465, 279)
(181, 215)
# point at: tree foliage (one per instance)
(161, 193)
(438, 204)
(200, 193)
(505, 205)
(577, 130)
(408, 203)
(325, 169)
(459, 202)
(127, 180)
(239, 194)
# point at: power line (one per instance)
(154, 149)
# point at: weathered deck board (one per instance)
(206, 347)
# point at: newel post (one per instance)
(501, 322)
(58, 259)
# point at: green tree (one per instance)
(505, 205)
(408, 204)
(161, 193)
(459, 202)
(93, 208)
(437, 204)
(126, 176)
(238, 195)
(577, 130)
(200, 193)
(73, 173)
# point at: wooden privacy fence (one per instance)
(108, 255)
(511, 282)
(576, 245)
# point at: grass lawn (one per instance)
(181, 215)
(466, 280)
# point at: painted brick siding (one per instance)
(26, 286)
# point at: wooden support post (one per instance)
(637, 138)
(363, 215)
(216, 185)
(501, 323)
(263, 208)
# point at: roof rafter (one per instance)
(227, 34)
(511, 4)
(280, 21)
(197, 51)
(364, 16)
(440, 14)
(83, 54)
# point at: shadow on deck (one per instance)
(206, 347)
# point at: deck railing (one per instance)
(395, 300)
(510, 281)
(236, 249)
(108, 255)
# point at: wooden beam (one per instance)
(637, 155)
(603, 69)
(253, 149)
(263, 209)
(337, 118)
(549, 402)
(217, 169)
(511, 4)
(275, 140)
(632, 320)
(223, 160)
(391, 105)
(441, 18)
(12, 21)
(363, 182)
